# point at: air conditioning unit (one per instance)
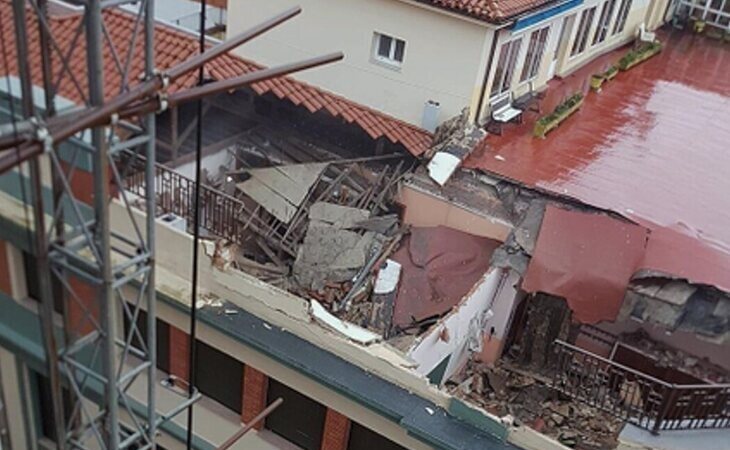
(172, 220)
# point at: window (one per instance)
(389, 49)
(301, 421)
(535, 50)
(603, 21)
(581, 36)
(219, 376)
(362, 438)
(623, 14)
(163, 338)
(505, 67)
(45, 405)
(32, 283)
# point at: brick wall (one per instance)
(336, 431)
(255, 387)
(5, 285)
(78, 316)
(179, 353)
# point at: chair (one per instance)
(502, 111)
(646, 36)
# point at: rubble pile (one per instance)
(506, 390)
(666, 356)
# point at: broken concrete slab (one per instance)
(280, 190)
(337, 216)
(330, 254)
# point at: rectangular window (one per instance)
(219, 376)
(32, 286)
(362, 438)
(45, 405)
(389, 49)
(623, 14)
(163, 337)
(584, 27)
(301, 421)
(505, 67)
(535, 50)
(603, 22)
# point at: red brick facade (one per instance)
(179, 353)
(336, 431)
(255, 387)
(78, 319)
(5, 286)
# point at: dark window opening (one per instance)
(219, 376)
(45, 406)
(362, 438)
(163, 338)
(32, 283)
(299, 419)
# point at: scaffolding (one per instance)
(97, 362)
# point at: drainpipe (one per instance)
(487, 70)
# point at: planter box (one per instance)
(597, 81)
(640, 56)
(541, 129)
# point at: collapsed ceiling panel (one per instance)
(280, 190)
(586, 258)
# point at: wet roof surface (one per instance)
(654, 145)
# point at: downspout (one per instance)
(488, 69)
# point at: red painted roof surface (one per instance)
(489, 10)
(174, 46)
(440, 266)
(654, 146)
(591, 274)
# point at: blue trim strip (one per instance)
(544, 14)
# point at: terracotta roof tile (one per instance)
(174, 46)
(488, 10)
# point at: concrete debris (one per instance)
(330, 254)
(524, 399)
(281, 189)
(454, 140)
(665, 356)
(344, 217)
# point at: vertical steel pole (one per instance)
(94, 42)
(41, 246)
(151, 204)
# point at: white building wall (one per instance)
(445, 54)
(461, 332)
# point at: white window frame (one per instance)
(391, 59)
(532, 67)
(622, 17)
(605, 19)
(504, 83)
(583, 33)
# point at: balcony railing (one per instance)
(220, 214)
(638, 398)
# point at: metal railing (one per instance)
(636, 397)
(220, 214)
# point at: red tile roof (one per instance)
(652, 146)
(488, 10)
(174, 46)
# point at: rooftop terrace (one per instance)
(649, 145)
